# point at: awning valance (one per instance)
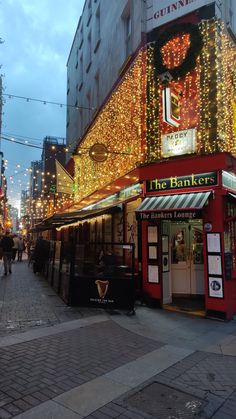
(67, 218)
(232, 195)
(194, 200)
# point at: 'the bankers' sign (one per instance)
(182, 182)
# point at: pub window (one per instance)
(80, 72)
(97, 90)
(128, 35)
(77, 58)
(89, 11)
(179, 253)
(88, 111)
(89, 52)
(97, 34)
(81, 121)
(81, 37)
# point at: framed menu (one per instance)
(152, 234)
(214, 265)
(213, 243)
(152, 252)
(153, 274)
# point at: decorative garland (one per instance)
(189, 62)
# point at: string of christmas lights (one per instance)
(120, 126)
(131, 123)
(45, 102)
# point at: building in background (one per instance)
(25, 211)
(13, 218)
(24, 204)
(43, 196)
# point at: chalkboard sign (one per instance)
(228, 265)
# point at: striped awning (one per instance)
(174, 202)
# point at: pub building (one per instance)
(157, 170)
(188, 234)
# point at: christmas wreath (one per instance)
(189, 62)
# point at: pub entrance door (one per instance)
(184, 283)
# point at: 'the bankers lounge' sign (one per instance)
(182, 182)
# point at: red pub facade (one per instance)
(168, 135)
(188, 234)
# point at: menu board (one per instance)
(214, 265)
(152, 234)
(213, 243)
(153, 275)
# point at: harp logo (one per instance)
(102, 288)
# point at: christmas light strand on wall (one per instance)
(119, 127)
(207, 93)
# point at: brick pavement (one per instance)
(27, 301)
(36, 371)
(205, 376)
(42, 369)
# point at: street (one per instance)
(68, 362)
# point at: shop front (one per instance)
(188, 244)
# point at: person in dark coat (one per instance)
(7, 244)
(41, 255)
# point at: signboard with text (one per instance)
(168, 215)
(164, 11)
(180, 182)
(178, 143)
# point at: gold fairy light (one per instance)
(119, 127)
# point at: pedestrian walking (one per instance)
(41, 255)
(21, 248)
(15, 247)
(7, 244)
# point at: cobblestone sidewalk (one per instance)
(36, 371)
(27, 301)
(208, 378)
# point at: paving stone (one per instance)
(77, 355)
(4, 414)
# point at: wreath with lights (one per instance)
(189, 62)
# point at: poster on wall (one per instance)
(165, 263)
(153, 275)
(214, 265)
(215, 287)
(213, 243)
(152, 234)
(152, 252)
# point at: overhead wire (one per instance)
(46, 102)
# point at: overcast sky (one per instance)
(37, 37)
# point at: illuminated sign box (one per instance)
(178, 143)
(180, 182)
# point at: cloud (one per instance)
(37, 40)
